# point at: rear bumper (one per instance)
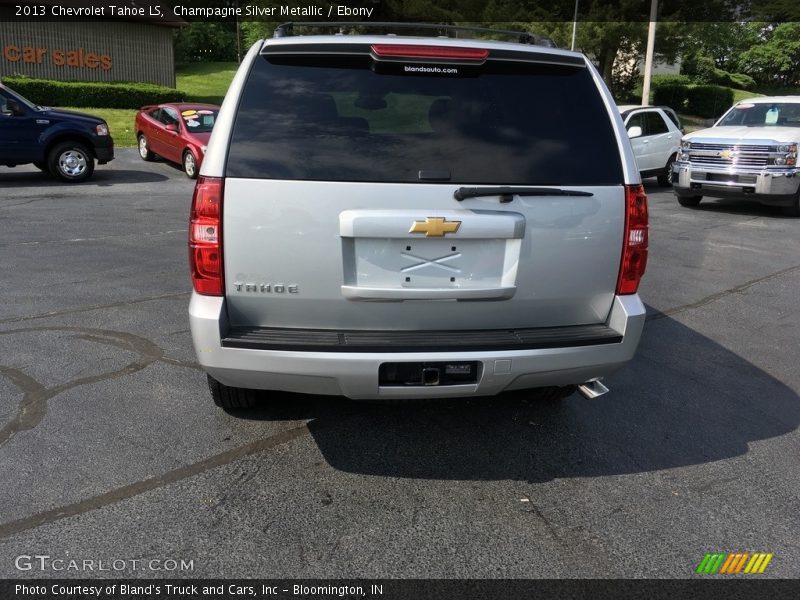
(773, 187)
(355, 374)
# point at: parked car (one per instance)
(750, 153)
(655, 133)
(176, 132)
(62, 142)
(409, 217)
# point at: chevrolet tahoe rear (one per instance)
(405, 217)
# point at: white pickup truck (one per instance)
(750, 153)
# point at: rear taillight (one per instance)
(433, 52)
(634, 245)
(205, 237)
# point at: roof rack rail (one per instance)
(523, 37)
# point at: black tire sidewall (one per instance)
(59, 149)
(148, 155)
(194, 162)
(665, 180)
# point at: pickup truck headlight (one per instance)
(790, 156)
(683, 155)
(101, 129)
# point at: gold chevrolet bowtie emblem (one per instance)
(435, 227)
(726, 154)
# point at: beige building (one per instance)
(86, 50)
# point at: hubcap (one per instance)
(72, 163)
(142, 147)
(189, 164)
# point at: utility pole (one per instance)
(648, 59)
(238, 36)
(574, 25)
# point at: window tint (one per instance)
(3, 104)
(673, 117)
(343, 121)
(199, 120)
(764, 114)
(169, 116)
(21, 100)
(637, 120)
(655, 123)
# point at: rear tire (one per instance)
(689, 201)
(190, 165)
(231, 397)
(665, 179)
(71, 161)
(144, 149)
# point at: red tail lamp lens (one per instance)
(205, 237)
(635, 243)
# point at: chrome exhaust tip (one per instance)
(592, 389)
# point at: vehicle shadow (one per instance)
(684, 400)
(101, 177)
(740, 207)
(724, 205)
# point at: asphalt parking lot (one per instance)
(111, 449)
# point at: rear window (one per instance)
(199, 120)
(337, 119)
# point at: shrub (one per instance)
(708, 101)
(673, 95)
(741, 81)
(93, 94)
(658, 81)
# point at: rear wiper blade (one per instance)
(507, 193)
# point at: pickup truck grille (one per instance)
(729, 155)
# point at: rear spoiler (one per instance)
(355, 47)
(523, 37)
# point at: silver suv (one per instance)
(401, 217)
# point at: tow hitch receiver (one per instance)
(428, 373)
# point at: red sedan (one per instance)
(176, 132)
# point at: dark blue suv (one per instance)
(60, 142)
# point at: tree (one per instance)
(205, 42)
(723, 43)
(775, 61)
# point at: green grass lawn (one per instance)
(120, 123)
(742, 94)
(205, 82)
